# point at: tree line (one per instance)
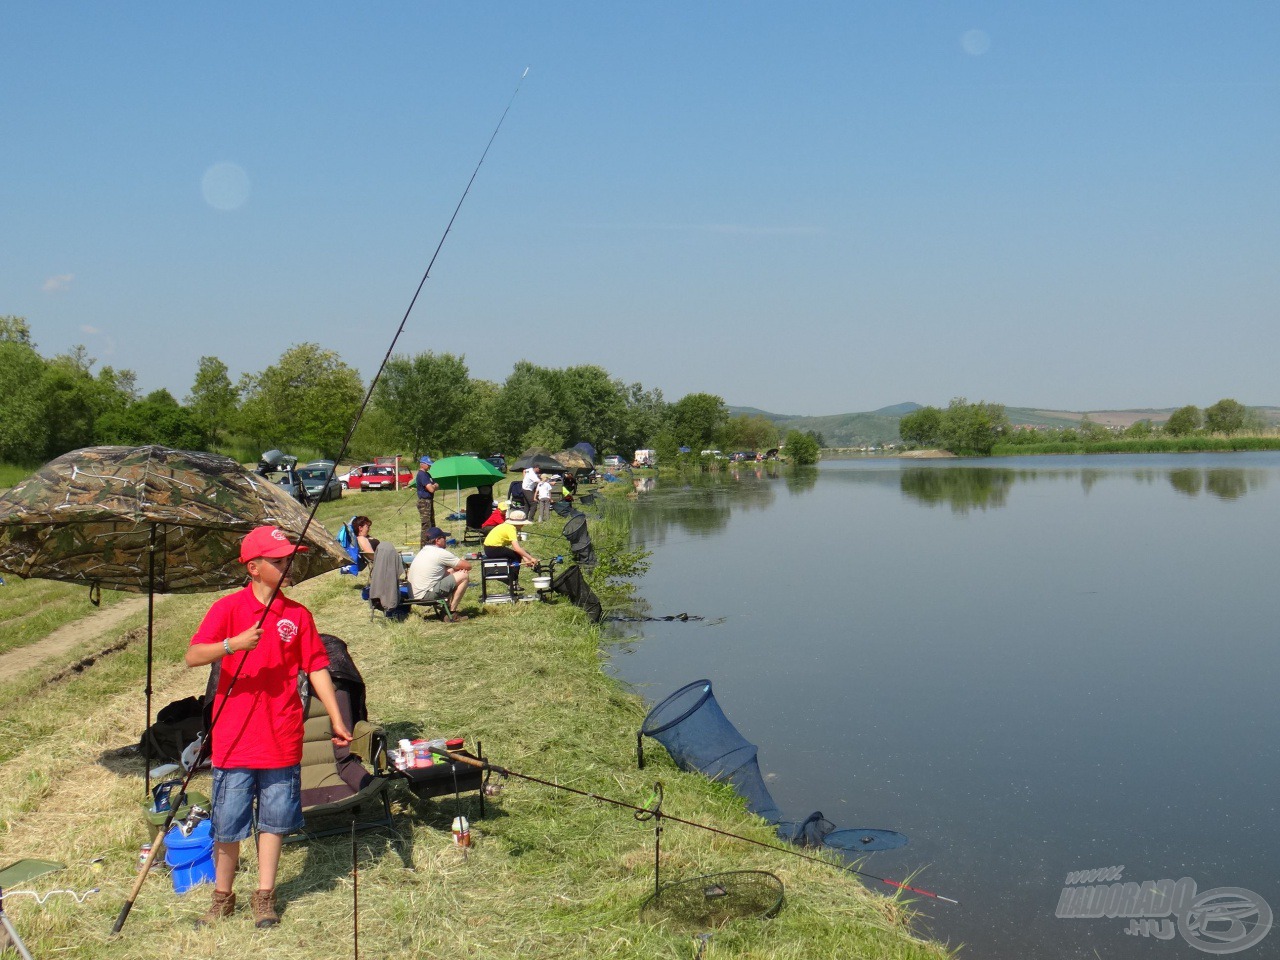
(973, 429)
(307, 399)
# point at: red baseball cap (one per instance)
(268, 541)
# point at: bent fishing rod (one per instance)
(649, 811)
(284, 576)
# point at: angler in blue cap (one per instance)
(426, 488)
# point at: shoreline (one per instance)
(549, 875)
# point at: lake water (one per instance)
(1030, 666)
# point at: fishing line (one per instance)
(284, 574)
(485, 764)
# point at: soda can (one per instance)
(143, 852)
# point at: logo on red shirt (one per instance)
(287, 630)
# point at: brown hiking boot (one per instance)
(264, 909)
(223, 905)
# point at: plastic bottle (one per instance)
(461, 832)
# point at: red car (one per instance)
(371, 476)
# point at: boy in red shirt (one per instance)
(257, 739)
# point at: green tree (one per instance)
(1183, 421)
(1138, 429)
(749, 433)
(15, 330)
(1226, 416)
(24, 428)
(595, 405)
(427, 396)
(531, 397)
(972, 428)
(1091, 431)
(802, 448)
(644, 416)
(213, 399)
(921, 428)
(157, 418)
(75, 399)
(480, 422)
(696, 419)
(309, 396)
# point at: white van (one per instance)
(645, 458)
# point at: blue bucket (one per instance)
(190, 858)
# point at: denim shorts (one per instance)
(279, 796)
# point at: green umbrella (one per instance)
(463, 473)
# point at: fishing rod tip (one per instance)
(525, 74)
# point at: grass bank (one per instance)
(550, 875)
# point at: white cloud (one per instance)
(58, 282)
(89, 328)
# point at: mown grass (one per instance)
(32, 609)
(550, 874)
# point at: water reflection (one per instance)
(962, 487)
(1012, 749)
(966, 488)
(701, 506)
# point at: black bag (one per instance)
(176, 726)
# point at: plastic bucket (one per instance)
(190, 858)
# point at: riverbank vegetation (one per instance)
(550, 874)
(305, 401)
(983, 429)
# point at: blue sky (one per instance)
(811, 208)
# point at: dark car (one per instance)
(499, 461)
(318, 484)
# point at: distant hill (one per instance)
(881, 426)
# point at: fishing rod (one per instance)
(650, 811)
(284, 576)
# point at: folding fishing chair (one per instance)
(498, 580)
(478, 508)
(388, 591)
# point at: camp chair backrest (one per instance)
(478, 508)
(329, 774)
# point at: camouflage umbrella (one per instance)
(148, 519)
(575, 459)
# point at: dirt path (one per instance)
(70, 636)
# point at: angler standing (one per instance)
(257, 736)
(426, 488)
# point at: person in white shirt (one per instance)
(529, 487)
(544, 499)
(435, 573)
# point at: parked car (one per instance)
(373, 476)
(325, 465)
(287, 479)
(317, 483)
(499, 461)
(613, 460)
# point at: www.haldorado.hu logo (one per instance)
(1221, 920)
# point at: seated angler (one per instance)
(503, 541)
(436, 574)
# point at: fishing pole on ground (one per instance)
(649, 811)
(284, 575)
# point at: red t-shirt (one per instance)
(261, 725)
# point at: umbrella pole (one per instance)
(151, 612)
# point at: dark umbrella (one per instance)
(148, 519)
(543, 460)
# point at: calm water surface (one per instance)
(1030, 666)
